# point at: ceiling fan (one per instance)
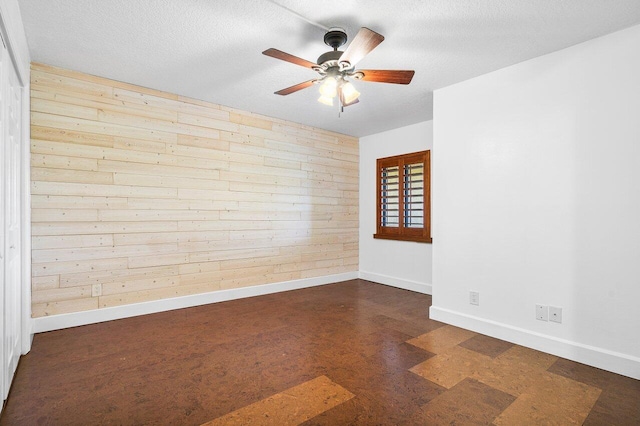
(337, 67)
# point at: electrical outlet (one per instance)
(542, 312)
(474, 297)
(555, 314)
(96, 290)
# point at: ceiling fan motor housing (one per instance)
(332, 55)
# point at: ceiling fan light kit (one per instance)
(336, 67)
(349, 93)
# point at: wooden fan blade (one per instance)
(283, 56)
(292, 89)
(365, 41)
(388, 76)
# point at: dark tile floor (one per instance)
(346, 353)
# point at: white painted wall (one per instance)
(536, 199)
(403, 264)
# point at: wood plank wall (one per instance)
(140, 195)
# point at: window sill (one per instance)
(415, 239)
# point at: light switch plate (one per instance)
(542, 312)
(96, 290)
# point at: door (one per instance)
(3, 203)
(10, 128)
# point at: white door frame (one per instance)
(12, 146)
(3, 212)
(14, 37)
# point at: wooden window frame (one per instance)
(401, 232)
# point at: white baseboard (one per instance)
(56, 322)
(615, 362)
(418, 287)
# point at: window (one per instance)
(404, 197)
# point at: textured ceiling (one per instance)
(211, 49)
